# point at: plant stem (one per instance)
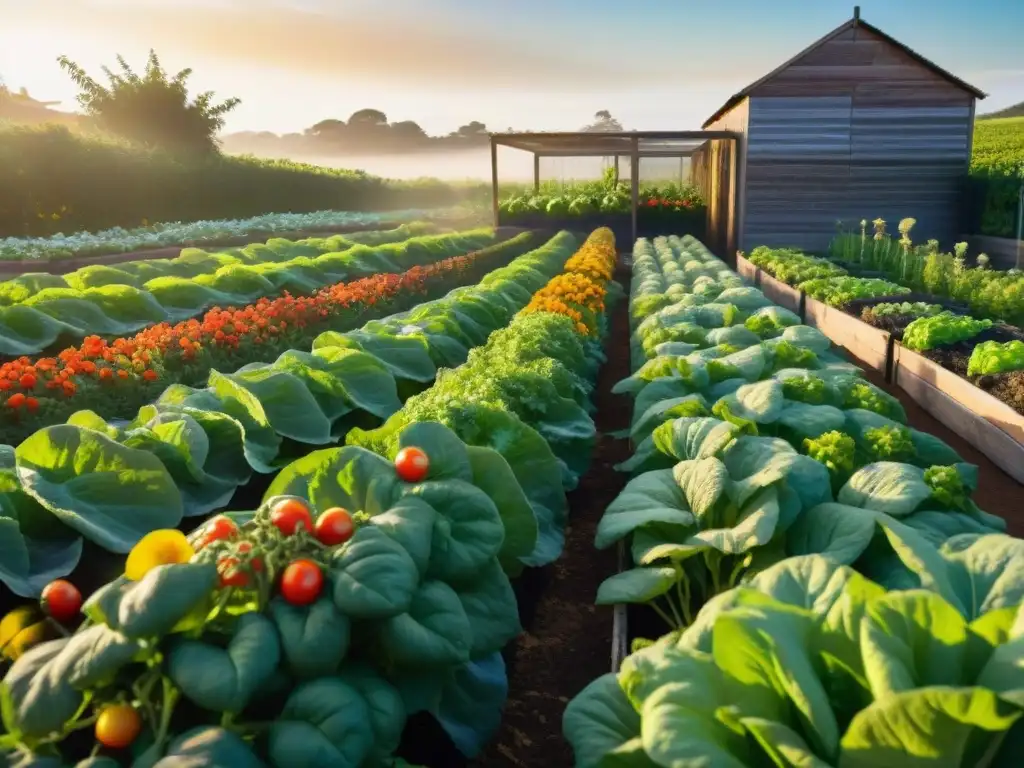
(664, 616)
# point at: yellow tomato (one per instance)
(161, 547)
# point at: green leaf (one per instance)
(387, 710)
(490, 605)
(840, 532)
(314, 639)
(224, 679)
(406, 357)
(27, 565)
(653, 497)
(599, 720)
(410, 522)
(637, 585)
(913, 640)
(926, 727)
(350, 477)
(434, 632)
(111, 494)
(886, 486)
(209, 747)
(274, 400)
(37, 699)
(324, 723)
(467, 531)
(372, 576)
(154, 606)
(493, 475)
(471, 703)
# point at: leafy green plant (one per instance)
(945, 328)
(256, 650)
(913, 309)
(793, 267)
(993, 357)
(837, 291)
(813, 664)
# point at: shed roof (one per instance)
(736, 98)
(582, 143)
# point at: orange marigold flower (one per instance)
(149, 375)
(31, 404)
(16, 400)
(27, 381)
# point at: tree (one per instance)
(603, 123)
(472, 130)
(367, 118)
(407, 133)
(152, 109)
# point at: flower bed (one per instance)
(41, 311)
(115, 378)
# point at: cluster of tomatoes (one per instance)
(301, 580)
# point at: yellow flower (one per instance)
(161, 547)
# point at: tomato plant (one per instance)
(117, 726)
(231, 572)
(220, 528)
(61, 600)
(412, 464)
(301, 582)
(334, 527)
(244, 548)
(287, 514)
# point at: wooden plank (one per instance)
(868, 344)
(977, 400)
(781, 294)
(1000, 447)
(747, 270)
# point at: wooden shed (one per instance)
(857, 126)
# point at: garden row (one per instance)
(189, 234)
(266, 638)
(186, 454)
(115, 378)
(39, 311)
(939, 330)
(831, 594)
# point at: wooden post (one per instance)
(494, 180)
(536, 173)
(616, 169)
(634, 179)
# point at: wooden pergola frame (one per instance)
(632, 144)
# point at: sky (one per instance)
(537, 64)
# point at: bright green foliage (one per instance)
(993, 357)
(793, 267)
(837, 291)
(912, 308)
(836, 451)
(945, 328)
(889, 443)
(812, 664)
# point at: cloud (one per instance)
(363, 44)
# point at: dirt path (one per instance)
(567, 640)
(998, 493)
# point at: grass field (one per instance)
(997, 171)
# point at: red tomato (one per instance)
(412, 464)
(288, 513)
(244, 548)
(219, 528)
(301, 582)
(61, 600)
(334, 527)
(232, 574)
(117, 726)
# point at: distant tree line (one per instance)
(155, 109)
(369, 131)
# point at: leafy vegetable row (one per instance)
(41, 308)
(116, 378)
(185, 455)
(121, 240)
(255, 641)
(736, 497)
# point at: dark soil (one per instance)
(567, 642)
(897, 324)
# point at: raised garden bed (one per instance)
(779, 293)
(747, 270)
(989, 424)
(872, 346)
